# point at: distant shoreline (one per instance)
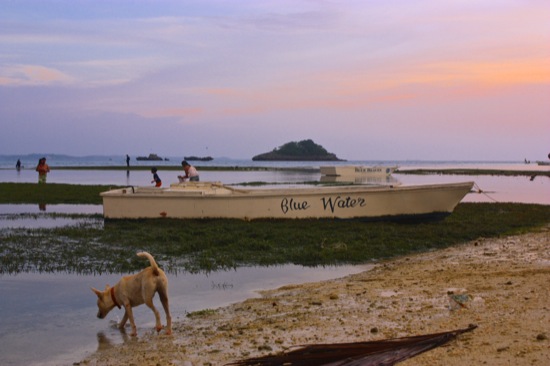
(443, 171)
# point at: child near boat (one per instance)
(156, 178)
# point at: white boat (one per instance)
(201, 200)
(354, 170)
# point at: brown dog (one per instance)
(135, 290)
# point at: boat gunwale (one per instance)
(169, 192)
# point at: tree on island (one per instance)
(305, 150)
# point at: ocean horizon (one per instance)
(8, 161)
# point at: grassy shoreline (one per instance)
(92, 246)
(51, 193)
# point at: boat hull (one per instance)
(202, 200)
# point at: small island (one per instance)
(151, 157)
(198, 158)
(305, 150)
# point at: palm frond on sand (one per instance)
(380, 353)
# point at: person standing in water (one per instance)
(190, 173)
(127, 160)
(43, 169)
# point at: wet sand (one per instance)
(502, 285)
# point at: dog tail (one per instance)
(151, 260)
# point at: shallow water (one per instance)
(50, 319)
(39, 216)
(143, 177)
(519, 189)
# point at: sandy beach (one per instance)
(502, 285)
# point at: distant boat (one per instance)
(361, 179)
(198, 158)
(357, 170)
(151, 157)
(207, 200)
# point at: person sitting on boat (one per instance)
(156, 178)
(190, 173)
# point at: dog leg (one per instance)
(130, 315)
(123, 321)
(151, 306)
(164, 300)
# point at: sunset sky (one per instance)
(380, 79)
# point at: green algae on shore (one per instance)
(51, 193)
(210, 245)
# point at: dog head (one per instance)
(105, 302)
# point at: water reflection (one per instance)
(28, 216)
(61, 209)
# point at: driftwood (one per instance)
(380, 353)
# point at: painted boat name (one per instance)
(293, 205)
(330, 203)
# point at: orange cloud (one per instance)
(495, 72)
(360, 88)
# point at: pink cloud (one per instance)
(31, 75)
